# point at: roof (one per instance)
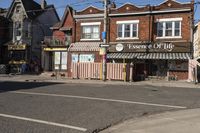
(32, 8)
(85, 46)
(68, 10)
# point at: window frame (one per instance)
(131, 23)
(91, 26)
(163, 22)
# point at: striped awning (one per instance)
(85, 46)
(167, 56)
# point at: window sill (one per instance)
(90, 39)
(170, 37)
(134, 38)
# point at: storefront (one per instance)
(54, 59)
(18, 55)
(161, 60)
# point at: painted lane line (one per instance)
(99, 99)
(43, 122)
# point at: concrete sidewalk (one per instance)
(184, 121)
(45, 78)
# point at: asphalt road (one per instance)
(35, 107)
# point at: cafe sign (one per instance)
(151, 47)
(157, 46)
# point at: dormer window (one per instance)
(18, 8)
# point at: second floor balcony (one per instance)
(55, 42)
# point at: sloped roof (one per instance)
(32, 8)
(68, 10)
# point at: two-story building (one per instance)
(79, 33)
(30, 23)
(156, 40)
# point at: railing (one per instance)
(52, 41)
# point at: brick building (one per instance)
(155, 40)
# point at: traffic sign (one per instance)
(104, 45)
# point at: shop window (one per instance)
(60, 61)
(127, 29)
(83, 58)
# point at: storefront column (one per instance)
(131, 72)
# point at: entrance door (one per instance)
(139, 72)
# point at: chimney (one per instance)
(43, 4)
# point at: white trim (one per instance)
(89, 16)
(169, 19)
(153, 12)
(92, 23)
(127, 38)
(89, 7)
(174, 1)
(90, 39)
(128, 22)
(169, 37)
(129, 4)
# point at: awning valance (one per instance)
(85, 46)
(167, 56)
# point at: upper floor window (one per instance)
(169, 28)
(90, 31)
(18, 7)
(127, 29)
(18, 30)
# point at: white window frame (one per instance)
(131, 22)
(173, 20)
(90, 24)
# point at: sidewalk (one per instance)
(184, 121)
(45, 78)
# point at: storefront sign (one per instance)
(16, 47)
(55, 49)
(156, 46)
(119, 47)
(151, 47)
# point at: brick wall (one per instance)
(181, 75)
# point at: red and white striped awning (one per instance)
(85, 46)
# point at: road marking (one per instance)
(43, 122)
(99, 99)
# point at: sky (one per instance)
(81, 4)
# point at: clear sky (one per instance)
(81, 4)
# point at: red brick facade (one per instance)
(146, 16)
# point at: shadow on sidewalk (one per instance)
(14, 86)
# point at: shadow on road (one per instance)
(13, 86)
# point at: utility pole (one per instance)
(104, 69)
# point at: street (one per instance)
(36, 107)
